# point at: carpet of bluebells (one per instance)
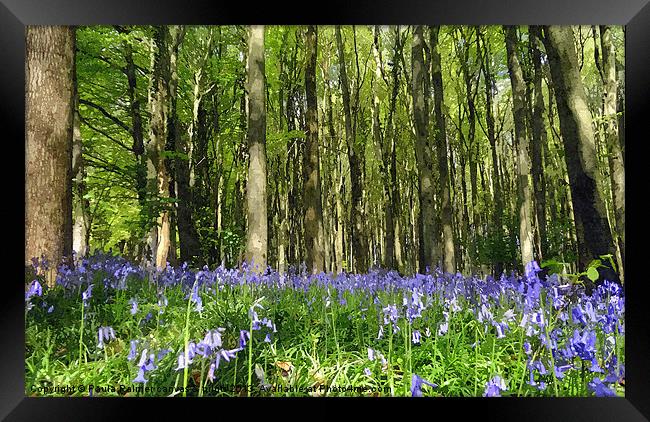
(121, 327)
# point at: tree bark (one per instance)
(427, 257)
(315, 259)
(539, 140)
(81, 218)
(158, 174)
(614, 154)
(526, 240)
(449, 257)
(593, 234)
(136, 130)
(49, 103)
(359, 244)
(257, 235)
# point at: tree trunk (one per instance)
(136, 121)
(257, 236)
(526, 240)
(614, 155)
(49, 97)
(593, 234)
(359, 244)
(449, 258)
(81, 219)
(539, 141)
(157, 169)
(427, 257)
(315, 260)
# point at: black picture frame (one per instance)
(16, 14)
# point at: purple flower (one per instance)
(88, 293)
(527, 348)
(35, 289)
(584, 345)
(594, 366)
(244, 336)
(143, 358)
(578, 315)
(105, 333)
(532, 268)
(416, 337)
(494, 387)
(600, 389)
(442, 330)
(132, 352)
(371, 354)
(181, 362)
(560, 370)
(367, 371)
(134, 306)
(416, 385)
(211, 372)
(140, 377)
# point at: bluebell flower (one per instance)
(88, 293)
(584, 345)
(367, 371)
(594, 366)
(244, 336)
(132, 351)
(600, 389)
(494, 387)
(140, 378)
(416, 385)
(561, 369)
(105, 333)
(578, 315)
(371, 354)
(532, 268)
(211, 372)
(416, 337)
(181, 362)
(143, 358)
(50, 309)
(444, 327)
(213, 338)
(134, 306)
(35, 289)
(228, 354)
(527, 348)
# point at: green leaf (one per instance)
(592, 273)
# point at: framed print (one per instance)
(363, 204)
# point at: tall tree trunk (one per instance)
(81, 219)
(359, 244)
(176, 34)
(257, 236)
(427, 257)
(136, 121)
(449, 258)
(49, 103)
(382, 153)
(593, 234)
(525, 199)
(315, 259)
(157, 169)
(539, 140)
(614, 154)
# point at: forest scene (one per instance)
(374, 211)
